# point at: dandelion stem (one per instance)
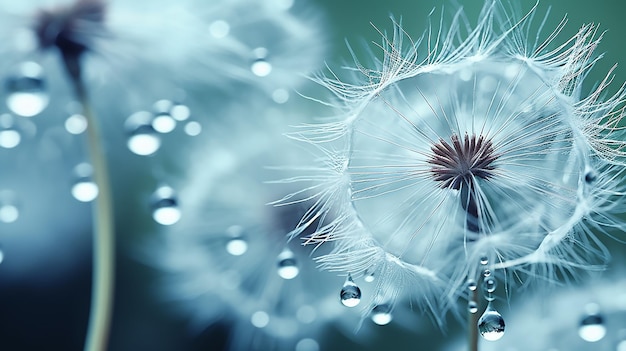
(472, 320)
(104, 240)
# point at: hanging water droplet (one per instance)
(472, 306)
(76, 124)
(84, 188)
(487, 273)
(142, 138)
(484, 260)
(163, 123)
(592, 327)
(193, 128)
(165, 209)
(236, 244)
(590, 175)
(471, 284)
(260, 66)
(381, 314)
(489, 284)
(491, 324)
(369, 277)
(180, 112)
(350, 293)
(26, 90)
(10, 136)
(9, 212)
(287, 265)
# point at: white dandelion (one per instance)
(469, 154)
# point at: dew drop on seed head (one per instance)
(592, 328)
(180, 112)
(484, 260)
(489, 284)
(590, 176)
(260, 66)
(287, 265)
(491, 324)
(26, 90)
(381, 314)
(236, 244)
(165, 208)
(10, 136)
(350, 293)
(142, 138)
(472, 306)
(76, 124)
(84, 188)
(486, 273)
(369, 277)
(471, 284)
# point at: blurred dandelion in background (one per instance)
(467, 155)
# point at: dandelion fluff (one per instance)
(481, 145)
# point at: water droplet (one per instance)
(76, 124)
(350, 293)
(219, 29)
(307, 344)
(489, 284)
(260, 66)
(9, 213)
(10, 136)
(163, 123)
(287, 265)
(165, 209)
(590, 176)
(369, 277)
(592, 328)
(484, 260)
(471, 284)
(26, 90)
(491, 324)
(260, 319)
(487, 273)
(621, 346)
(381, 314)
(180, 112)
(84, 188)
(472, 306)
(193, 128)
(280, 96)
(236, 244)
(143, 139)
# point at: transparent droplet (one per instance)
(260, 66)
(592, 328)
(10, 136)
(489, 284)
(486, 273)
(162, 106)
(590, 176)
(471, 284)
(76, 124)
(381, 314)
(163, 123)
(26, 90)
(260, 319)
(369, 277)
(9, 213)
(484, 260)
(236, 246)
(287, 265)
(180, 112)
(472, 306)
(307, 344)
(84, 188)
(165, 208)
(350, 293)
(193, 128)
(142, 138)
(491, 324)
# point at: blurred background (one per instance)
(45, 274)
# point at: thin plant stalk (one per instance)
(103, 224)
(472, 320)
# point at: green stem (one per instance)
(472, 320)
(103, 226)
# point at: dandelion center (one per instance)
(462, 161)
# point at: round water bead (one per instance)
(143, 140)
(165, 208)
(260, 66)
(381, 314)
(350, 293)
(592, 328)
(26, 90)
(84, 188)
(491, 324)
(287, 265)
